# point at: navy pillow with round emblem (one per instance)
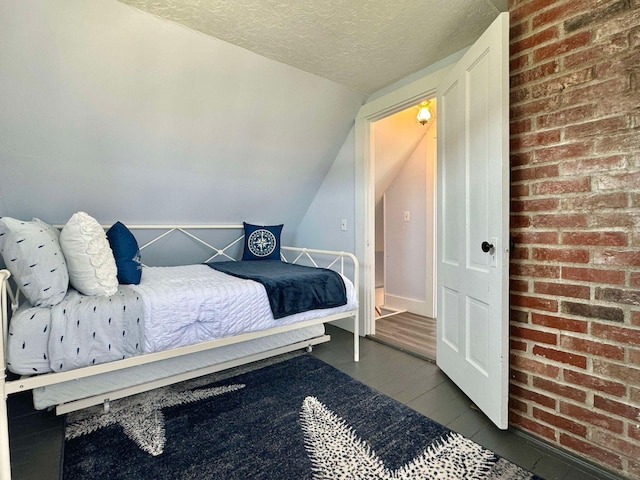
(127, 254)
(261, 242)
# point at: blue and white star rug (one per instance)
(295, 419)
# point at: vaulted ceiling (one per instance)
(364, 45)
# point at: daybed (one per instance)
(215, 321)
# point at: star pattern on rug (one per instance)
(140, 416)
(336, 451)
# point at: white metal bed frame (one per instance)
(336, 261)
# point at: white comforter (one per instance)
(189, 304)
(182, 306)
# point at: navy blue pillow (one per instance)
(126, 252)
(261, 242)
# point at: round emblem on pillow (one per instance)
(262, 243)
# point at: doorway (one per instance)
(404, 159)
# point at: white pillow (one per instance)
(32, 254)
(92, 268)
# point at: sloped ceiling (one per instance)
(365, 45)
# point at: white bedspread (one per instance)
(189, 304)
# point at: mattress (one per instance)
(181, 306)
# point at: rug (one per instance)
(294, 419)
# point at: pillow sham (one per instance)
(261, 242)
(32, 254)
(90, 261)
(126, 252)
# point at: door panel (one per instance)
(473, 186)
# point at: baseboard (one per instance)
(412, 305)
(583, 464)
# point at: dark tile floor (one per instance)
(36, 437)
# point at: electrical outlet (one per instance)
(343, 224)
(407, 215)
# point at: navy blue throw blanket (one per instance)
(291, 288)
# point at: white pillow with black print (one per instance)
(32, 254)
(90, 261)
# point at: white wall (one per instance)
(113, 111)
(321, 225)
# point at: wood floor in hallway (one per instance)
(408, 332)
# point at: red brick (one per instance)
(517, 159)
(521, 190)
(562, 152)
(519, 285)
(634, 279)
(617, 408)
(535, 139)
(618, 295)
(560, 389)
(559, 13)
(560, 422)
(595, 383)
(560, 323)
(531, 41)
(597, 14)
(595, 202)
(562, 290)
(575, 185)
(534, 366)
(561, 47)
(589, 449)
(515, 404)
(527, 9)
(612, 239)
(518, 63)
(535, 397)
(520, 109)
(534, 173)
(567, 116)
(533, 74)
(519, 221)
(558, 85)
(519, 253)
(613, 220)
(624, 373)
(520, 126)
(626, 335)
(589, 310)
(516, 345)
(635, 318)
(617, 257)
(563, 220)
(542, 205)
(563, 254)
(592, 348)
(531, 425)
(596, 127)
(615, 442)
(619, 143)
(622, 181)
(534, 302)
(517, 376)
(614, 277)
(593, 165)
(538, 271)
(532, 238)
(594, 418)
(576, 360)
(534, 335)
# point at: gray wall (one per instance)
(115, 112)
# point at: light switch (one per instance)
(407, 215)
(343, 224)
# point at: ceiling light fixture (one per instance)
(424, 114)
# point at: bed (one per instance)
(177, 322)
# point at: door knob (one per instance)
(486, 246)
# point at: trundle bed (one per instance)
(177, 323)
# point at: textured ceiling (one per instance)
(363, 44)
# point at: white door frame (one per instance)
(388, 104)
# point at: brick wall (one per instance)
(575, 220)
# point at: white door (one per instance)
(473, 223)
